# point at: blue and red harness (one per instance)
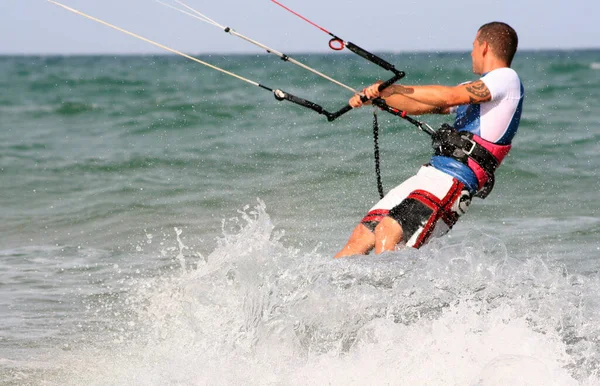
(420, 211)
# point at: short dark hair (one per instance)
(502, 39)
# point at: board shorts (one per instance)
(426, 205)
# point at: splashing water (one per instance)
(257, 312)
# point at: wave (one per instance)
(179, 115)
(567, 66)
(55, 82)
(255, 311)
(99, 165)
(75, 108)
(62, 108)
(595, 66)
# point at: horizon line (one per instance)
(240, 53)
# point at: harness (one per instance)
(466, 147)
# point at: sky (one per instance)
(39, 27)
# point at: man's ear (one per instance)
(486, 47)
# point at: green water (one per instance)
(102, 157)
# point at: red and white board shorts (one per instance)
(426, 205)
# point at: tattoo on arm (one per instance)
(478, 92)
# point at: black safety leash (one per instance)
(402, 114)
(376, 154)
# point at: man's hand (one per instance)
(370, 92)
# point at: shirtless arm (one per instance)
(428, 99)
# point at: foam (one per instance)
(255, 311)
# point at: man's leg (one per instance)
(363, 238)
(388, 234)
(361, 242)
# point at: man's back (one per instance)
(495, 121)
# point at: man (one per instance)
(487, 110)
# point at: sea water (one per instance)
(164, 224)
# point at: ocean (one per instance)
(165, 224)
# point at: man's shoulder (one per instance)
(503, 82)
(503, 72)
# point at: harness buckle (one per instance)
(473, 145)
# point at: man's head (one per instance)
(495, 38)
